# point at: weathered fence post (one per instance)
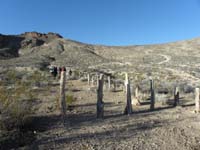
(62, 102)
(136, 92)
(79, 74)
(176, 96)
(84, 75)
(197, 100)
(128, 108)
(109, 82)
(114, 85)
(152, 103)
(126, 82)
(88, 77)
(97, 76)
(136, 101)
(100, 103)
(92, 80)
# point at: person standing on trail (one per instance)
(70, 72)
(51, 70)
(59, 72)
(63, 69)
(55, 71)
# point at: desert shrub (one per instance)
(15, 115)
(119, 76)
(186, 88)
(15, 105)
(165, 87)
(83, 79)
(36, 78)
(144, 85)
(12, 76)
(17, 97)
(69, 99)
(16, 101)
(76, 73)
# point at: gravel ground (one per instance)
(163, 129)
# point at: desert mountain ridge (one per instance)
(39, 50)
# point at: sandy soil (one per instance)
(166, 128)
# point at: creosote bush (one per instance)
(16, 101)
(69, 99)
(17, 95)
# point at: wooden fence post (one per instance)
(100, 103)
(109, 82)
(92, 80)
(136, 101)
(136, 92)
(126, 82)
(97, 76)
(197, 100)
(114, 85)
(88, 77)
(176, 96)
(128, 108)
(62, 102)
(152, 95)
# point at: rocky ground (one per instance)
(167, 127)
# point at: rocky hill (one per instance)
(38, 50)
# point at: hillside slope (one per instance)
(33, 49)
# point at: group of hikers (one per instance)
(56, 71)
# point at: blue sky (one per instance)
(109, 22)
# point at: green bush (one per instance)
(69, 100)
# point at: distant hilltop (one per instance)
(41, 35)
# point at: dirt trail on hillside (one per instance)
(167, 59)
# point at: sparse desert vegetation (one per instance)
(29, 96)
(18, 95)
